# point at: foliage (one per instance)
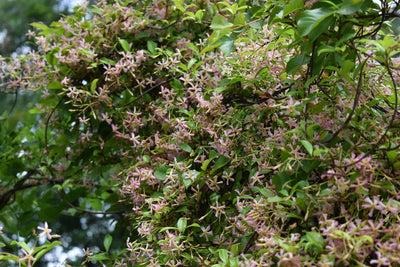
(228, 134)
(32, 254)
(16, 15)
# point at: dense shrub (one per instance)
(231, 133)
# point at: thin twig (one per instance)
(249, 242)
(146, 92)
(87, 211)
(47, 124)
(356, 98)
(14, 103)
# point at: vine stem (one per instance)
(83, 210)
(356, 98)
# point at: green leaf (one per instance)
(325, 49)
(310, 19)
(179, 5)
(55, 85)
(294, 64)
(99, 257)
(146, 159)
(392, 155)
(125, 45)
(95, 203)
(313, 241)
(212, 156)
(276, 12)
(191, 62)
(185, 147)
(223, 255)
(40, 251)
(292, 6)
(192, 47)
(347, 68)
(227, 45)
(107, 242)
(9, 256)
(181, 224)
(151, 47)
(234, 262)
(93, 86)
(361, 240)
(219, 22)
(308, 146)
(266, 192)
(51, 59)
(221, 161)
(161, 172)
(275, 199)
(107, 61)
(240, 19)
(187, 182)
(167, 228)
(350, 7)
(194, 225)
(41, 26)
(236, 248)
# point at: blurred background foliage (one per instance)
(15, 19)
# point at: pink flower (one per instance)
(381, 260)
(371, 204)
(218, 209)
(46, 231)
(206, 232)
(290, 107)
(28, 257)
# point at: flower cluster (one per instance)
(223, 158)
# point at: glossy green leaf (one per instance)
(187, 182)
(107, 242)
(221, 161)
(161, 172)
(314, 241)
(234, 262)
(55, 85)
(22, 244)
(212, 156)
(95, 203)
(392, 155)
(308, 146)
(100, 256)
(310, 19)
(40, 251)
(125, 45)
(227, 45)
(93, 86)
(350, 7)
(185, 147)
(107, 61)
(294, 64)
(181, 224)
(236, 248)
(38, 25)
(220, 22)
(151, 47)
(223, 255)
(240, 19)
(325, 49)
(8, 256)
(292, 6)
